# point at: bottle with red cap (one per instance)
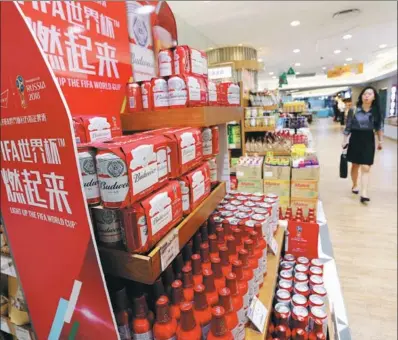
(158, 291)
(177, 296)
(219, 279)
(165, 326)
(263, 245)
(213, 246)
(141, 326)
(205, 256)
(258, 254)
(243, 287)
(299, 334)
(231, 245)
(231, 316)
(197, 241)
(168, 279)
(242, 228)
(201, 309)
(253, 263)
(204, 232)
(122, 320)
(237, 233)
(187, 253)
(284, 322)
(317, 331)
(237, 301)
(220, 236)
(196, 269)
(178, 263)
(210, 288)
(227, 228)
(187, 281)
(188, 328)
(219, 329)
(224, 257)
(282, 333)
(247, 272)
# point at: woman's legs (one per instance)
(365, 170)
(354, 175)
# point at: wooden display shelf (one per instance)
(260, 129)
(268, 289)
(20, 332)
(147, 268)
(189, 116)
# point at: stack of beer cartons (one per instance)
(276, 174)
(249, 172)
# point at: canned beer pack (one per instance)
(90, 129)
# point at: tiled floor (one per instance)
(364, 237)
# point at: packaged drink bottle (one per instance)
(227, 228)
(219, 279)
(196, 269)
(202, 310)
(141, 326)
(197, 241)
(220, 236)
(188, 328)
(177, 296)
(187, 281)
(224, 257)
(299, 334)
(205, 256)
(231, 316)
(231, 245)
(210, 288)
(263, 245)
(284, 322)
(237, 301)
(282, 332)
(204, 232)
(122, 320)
(168, 279)
(165, 326)
(158, 290)
(242, 228)
(253, 263)
(299, 323)
(178, 263)
(317, 331)
(258, 254)
(219, 329)
(120, 299)
(187, 253)
(237, 233)
(247, 272)
(243, 287)
(213, 246)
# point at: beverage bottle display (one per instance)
(243, 287)
(224, 257)
(231, 316)
(284, 322)
(258, 254)
(227, 228)
(178, 263)
(210, 288)
(247, 272)
(205, 256)
(237, 233)
(188, 328)
(187, 253)
(177, 296)
(263, 245)
(213, 246)
(237, 300)
(141, 326)
(219, 329)
(197, 269)
(168, 279)
(187, 281)
(220, 236)
(165, 326)
(231, 245)
(197, 241)
(202, 310)
(219, 279)
(122, 320)
(253, 263)
(242, 228)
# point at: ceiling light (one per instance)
(348, 59)
(240, 44)
(273, 77)
(295, 23)
(297, 73)
(337, 51)
(260, 60)
(297, 64)
(206, 2)
(271, 73)
(347, 36)
(383, 46)
(324, 68)
(296, 50)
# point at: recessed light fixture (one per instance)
(297, 64)
(259, 60)
(295, 23)
(296, 50)
(206, 2)
(383, 46)
(324, 68)
(337, 51)
(297, 73)
(348, 59)
(347, 36)
(271, 73)
(273, 77)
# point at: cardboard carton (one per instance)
(250, 171)
(252, 186)
(303, 203)
(304, 189)
(311, 174)
(277, 187)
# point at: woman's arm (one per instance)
(347, 130)
(380, 134)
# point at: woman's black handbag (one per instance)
(344, 163)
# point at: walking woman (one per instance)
(360, 127)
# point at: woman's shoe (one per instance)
(364, 199)
(355, 190)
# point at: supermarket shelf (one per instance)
(189, 116)
(20, 332)
(288, 154)
(260, 129)
(7, 265)
(147, 268)
(268, 289)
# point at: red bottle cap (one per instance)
(232, 284)
(225, 299)
(197, 241)
(187, 252)
(208, 280)
(196, 264)
(220, 235)
(249, 246)
(237, 269)
(200, 300)
(187, 320)
(162, 310)
(227, 228)
(187, 278)
(177, 294)
(244, 256)
(213, 244)
(231, 244)
(204, 252)
(237, 233)
(224, 255)
(140, 307)
(216, 267)
(218, 323)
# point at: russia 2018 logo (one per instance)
(299, 230)
(140, 31)
(20, 83)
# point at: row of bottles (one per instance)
(299, 217)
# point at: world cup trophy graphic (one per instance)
(21, 89)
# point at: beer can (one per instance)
(236, 203)
(242, 198)
(178, 95)
(216, 137)
(286, 284)
(300, 268)
(303, 260)
(290, 258)
(165, 62)
(300, 315)
(285, 265)
(316, 301)
(279, 310)
(316, 271)
(256, 199)
(134, 97)
(299, 300)
(249, 204)
(245, 209)
(107, 223)
(300, 278)
(286, 275)
(147, 96)
(319, 290)
(283, 296)
(301, 288)
(317, 263)
(213, 171)
(317, 313)
(315, 280)
(88, 172)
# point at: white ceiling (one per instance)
(265, 25)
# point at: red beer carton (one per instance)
(204, 64)
(165, 63)
(188, 61)
(229, 94)
(90, 129)
(197, 91)
(134, 97)
(160, 94)
(212, 91)
(148, 220)
(178, 94)
(147, 96)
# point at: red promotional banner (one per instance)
(302, 239)
(43, 205)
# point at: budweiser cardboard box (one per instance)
(309, 173)
(189, 61)
(195, 187)
(250, 168)
(129, 168)
(93, 128)
(304, 189)
(303, 203)
(277, 187)
(252, 185)
(148, 220)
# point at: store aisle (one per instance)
(364, 238)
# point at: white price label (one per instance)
(22, 333)
(4, 325)
(169, 248)
(7, 266)
(257, 314)
(274, 246)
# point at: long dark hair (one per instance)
(375, 104)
